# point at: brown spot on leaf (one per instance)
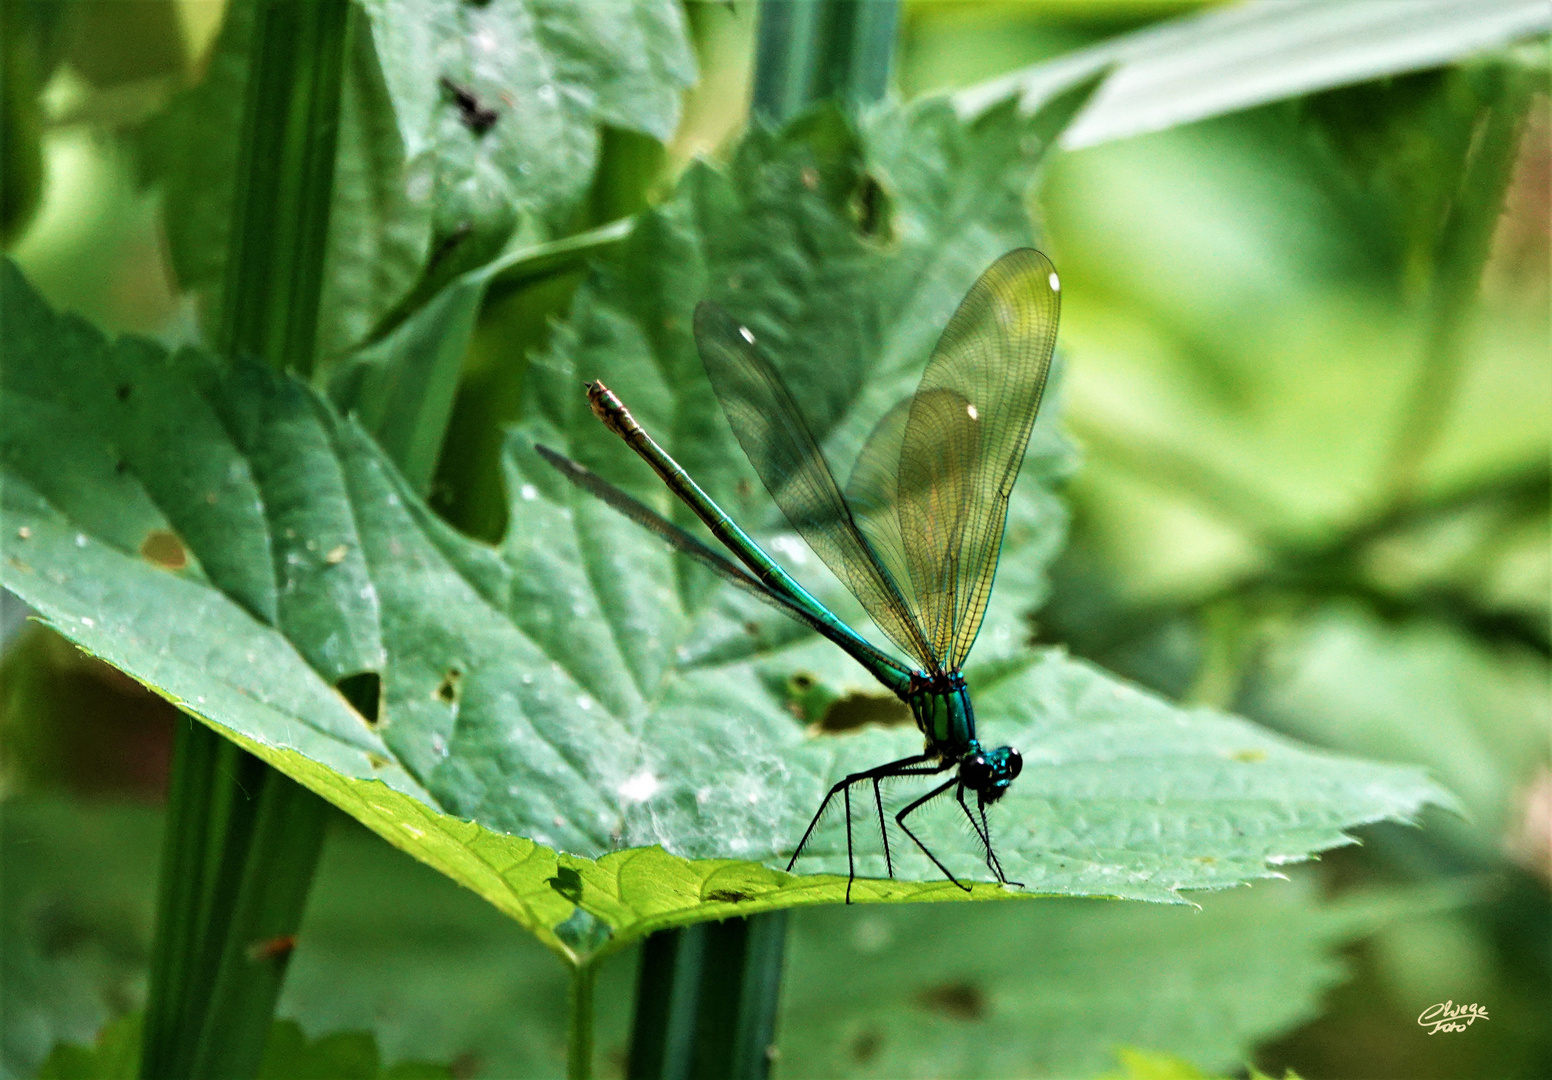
(955, 1000)
(865, 1047)
(161, 547)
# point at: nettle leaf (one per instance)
(990, 990)
(529, 82)
(573, 724)
(462, 126)
(889, 991)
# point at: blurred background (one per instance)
(1314, 485)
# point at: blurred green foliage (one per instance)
(1314, 490)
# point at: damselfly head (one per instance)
(989, 772)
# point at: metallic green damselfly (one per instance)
(916, 533)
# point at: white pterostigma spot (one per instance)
(1056, 282)
(745, 334)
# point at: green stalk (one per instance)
(1465, 241)
(706, 1000)
(285, 182)
(707, 994)
(668, 993)
(242, 840)
(579, 1022)
(809, 50)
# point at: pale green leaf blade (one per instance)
(1239, 56)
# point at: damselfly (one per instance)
(916, 533)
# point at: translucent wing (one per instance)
(871, 493)
(876, 488)
(784, 453)
(964, 442)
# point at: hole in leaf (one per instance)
(956, 1000)
(363, 690)
(870, 209)
(476, 116)
(161, 547)
(450, 689)
(858, 710)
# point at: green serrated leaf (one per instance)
(461, 126)
(573, 720)
(996, 991)
(985, 990)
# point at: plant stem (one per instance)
(706, 1000)
(285, 182)
(808, 50)
(242, 840)
(1465, 240)
(579, 1022)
